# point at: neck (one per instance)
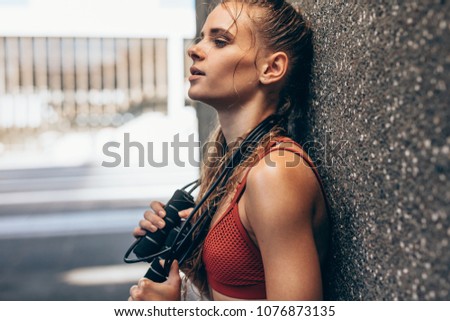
(237, 122)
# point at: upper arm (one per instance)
(279, 205)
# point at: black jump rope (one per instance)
(178, 238)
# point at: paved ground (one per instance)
(66, 222)
(45, 268)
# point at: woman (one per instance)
(268, 237)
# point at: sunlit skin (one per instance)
(226, 60)
(289, 227)
(227, 55)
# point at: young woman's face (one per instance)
(224, 70)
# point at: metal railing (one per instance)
(73, 82)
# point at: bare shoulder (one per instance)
(282, 181)
(286, 216)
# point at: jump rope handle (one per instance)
(153, 242)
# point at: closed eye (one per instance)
(220, 43)
(219, 36)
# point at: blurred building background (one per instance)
(75, 75)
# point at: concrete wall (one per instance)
(380, 115)
(380, 136)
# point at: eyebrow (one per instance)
(218, 31)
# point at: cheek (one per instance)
(246, 73)
(224, 75)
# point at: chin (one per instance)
(192, 94)
(197, 96)
(213, 101)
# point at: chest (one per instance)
(239, 203)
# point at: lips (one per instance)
(196, 72)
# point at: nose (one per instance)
(196, 53)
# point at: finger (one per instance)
(174, 273)
(138, 232)
(158, 208)
(154, 219)
(130, 298)
(185, 213)
(147, 225)
(133, 291)
(144, 282)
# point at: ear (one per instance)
(274, 68)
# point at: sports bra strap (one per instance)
(275, 145)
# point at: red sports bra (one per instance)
(232, 261)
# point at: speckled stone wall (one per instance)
(380, 135)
